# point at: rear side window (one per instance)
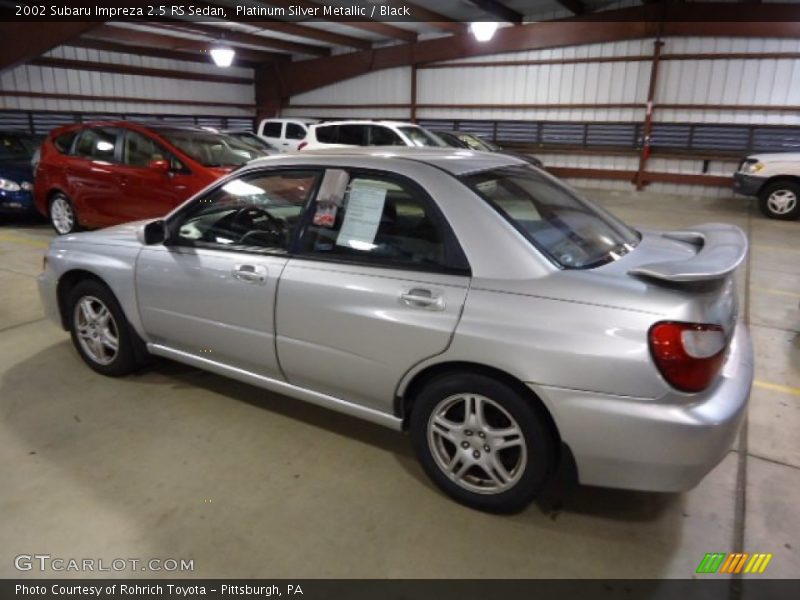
(273, 129)
(63, 142)
(328, 134)
(295, 131)
(99, 143)
(353, 135)
(377, 220)
(383, 136)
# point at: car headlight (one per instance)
(27, 186)
(8, 186)
(752, 166)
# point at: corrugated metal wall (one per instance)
(720, 82)
(29, 78)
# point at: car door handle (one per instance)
(250, 273)
(422, 298)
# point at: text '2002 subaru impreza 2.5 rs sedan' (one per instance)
(469, 298)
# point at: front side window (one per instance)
(570, 230)
(378, 220)
(422, 137)
(63, 142)
(139, 150)
(257, 211)
(473, 142)
(98, 143)
(295, 131)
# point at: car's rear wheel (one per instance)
(482, 442)
(62, 213)
(780, 200)
(100, 332)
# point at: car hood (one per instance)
(16, 170)
(124, 234)
(776, 157)
(219, 171)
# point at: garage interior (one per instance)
(176, 462)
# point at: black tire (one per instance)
(130, 350)
(780, 200)
(59, 204)
(530, 475)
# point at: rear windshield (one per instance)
(14, 146)
(213, 149)
(422, 137)
(570, 230)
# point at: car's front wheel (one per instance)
(482, 441)
(62, 213)
(100, 332)
(780, 200)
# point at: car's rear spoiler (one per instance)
(721, 249)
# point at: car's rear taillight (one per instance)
(689, 355)
(302, 145)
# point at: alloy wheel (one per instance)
(96, 329)
(782, 202)
(477, 443)
(61, 215)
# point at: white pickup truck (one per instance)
(775, 179)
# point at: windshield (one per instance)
(422, 137)
(17, 146)
(570, 230)
(476, 143)
(251, 139)
(213, 149)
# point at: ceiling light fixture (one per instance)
(483, 30)
(223, 56)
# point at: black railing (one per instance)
(42, 122)
(722, 139)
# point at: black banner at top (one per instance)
(389, 11)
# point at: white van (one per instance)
(284, 134)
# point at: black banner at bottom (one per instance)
(403, 589)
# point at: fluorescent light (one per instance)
(483, 30)
(222, 56)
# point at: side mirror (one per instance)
(160, 165)
(152, 233)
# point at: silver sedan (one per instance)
(471, 299)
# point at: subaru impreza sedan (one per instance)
(468, 298)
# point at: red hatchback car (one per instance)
(105, 173)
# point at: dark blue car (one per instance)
(16, 173)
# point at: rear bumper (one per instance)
(747, 185)
(663, 445)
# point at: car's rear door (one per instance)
(376, 285)
(210, 291)
(92, 178)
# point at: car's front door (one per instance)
(377, 285)
(210, 291)
(153, 181)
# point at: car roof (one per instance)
(453, 160)
(368, 122)
(305, 120)
(153, 125)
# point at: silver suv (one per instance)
(775, 179)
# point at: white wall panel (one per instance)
(30, 78)
(380, 87)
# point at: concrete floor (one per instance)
(183, 464)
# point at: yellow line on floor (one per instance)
(774, 292)
(786, 389)
(778, 248)
(19, 239)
